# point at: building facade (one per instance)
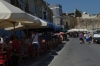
(69, 22)
(37, 8)
(57, 14)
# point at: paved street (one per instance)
(74, 54)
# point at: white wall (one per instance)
(56, 21)
(88, 16)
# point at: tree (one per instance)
(78, 13)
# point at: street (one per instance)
(74, 54)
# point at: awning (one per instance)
(52, 25)
(64, 30)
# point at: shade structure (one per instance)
(63, 29)
(53, 26)
(77, 30)
(25, 25)
(11, 16)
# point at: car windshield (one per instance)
(95, 32)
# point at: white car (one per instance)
(96, 37)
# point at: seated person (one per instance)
(1, 43)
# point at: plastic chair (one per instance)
(1, 54)
(8, 52)
(30, 50)
(3, 59)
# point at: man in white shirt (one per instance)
(35, 42)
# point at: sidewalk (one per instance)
(43, 57)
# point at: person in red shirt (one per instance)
(15, 50)
(16, 45)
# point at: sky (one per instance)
(89, 6)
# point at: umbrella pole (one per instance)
(27, 30)
(14, 31)
(20, 34)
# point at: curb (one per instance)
(47, 56)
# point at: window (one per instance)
(15, 3)
(44, 14)
(60, 12)
(45, 17)
(60, 21)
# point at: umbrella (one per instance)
(25, 25)
(10, 16)
(61, 33)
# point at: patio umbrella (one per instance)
(61, 33)
(25, 25)
(10, 16)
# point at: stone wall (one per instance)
(69, 21)
(88, 23)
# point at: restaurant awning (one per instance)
(52, 25)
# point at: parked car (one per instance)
(96, 37)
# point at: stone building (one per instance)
(69, 22)
(88, 21)
(37, 8)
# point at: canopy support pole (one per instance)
(14, 31)
(27, 31)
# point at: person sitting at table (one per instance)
(23, 45)
(7, 42)
(1, 43)
(15, 50)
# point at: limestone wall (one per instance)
(88, 23)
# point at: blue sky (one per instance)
(89, 6)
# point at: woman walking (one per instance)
(87, 39)
(81, 38)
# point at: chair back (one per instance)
(1, 55)
(8, 51)
(30, 47)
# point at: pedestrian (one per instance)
(81, 38)
(87, 39)
(1, 43)
(35, 43)
(91, 37)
